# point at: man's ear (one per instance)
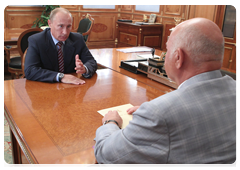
(179, 58)
(49, 23)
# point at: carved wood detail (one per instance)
(99, 27)
(172, 9)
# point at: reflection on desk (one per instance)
(111, 58)
(56, 122)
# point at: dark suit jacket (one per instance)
(41, 63)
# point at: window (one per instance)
(149, 8)
(229, 22)
(99, 6)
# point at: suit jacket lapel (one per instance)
(68, 52)
(51, 51)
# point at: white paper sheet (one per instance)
(122, 111)
(135, 49)
(148, 56)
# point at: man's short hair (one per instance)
(56, 10)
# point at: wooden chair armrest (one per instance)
(23, 62)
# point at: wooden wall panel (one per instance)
(126, 16)
(167, 15)
(21, 20)
(138, 17)
(105, 19)
(126, 8)
(71, 7)
(21, 17)
(204, 11)
(18, 18)
(76, 20)
(166, 32)
(229, 60)
(104, 28)
(172, 10)
(227, 57)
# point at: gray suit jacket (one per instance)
(193, 124)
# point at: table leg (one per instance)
(16, 150)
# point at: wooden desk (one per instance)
(56, 122)
(111, 58)
(139, 35)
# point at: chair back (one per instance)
(85, 26)
(23, 39)
(23, 63)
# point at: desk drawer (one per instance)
(128, 38)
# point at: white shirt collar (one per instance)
(181, 84)
(55, 40)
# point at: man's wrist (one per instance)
(109, 121)
(57, 77)
(87, 72)
(60, 77)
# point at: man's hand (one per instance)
(132, 109)
(70, 79)
(113, 115)
(79, 65)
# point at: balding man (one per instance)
(194, 124)
(56, 52)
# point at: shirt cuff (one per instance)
(87, 72)
(57, 77)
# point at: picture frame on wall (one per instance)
(152, 18)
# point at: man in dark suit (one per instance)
(42, 61)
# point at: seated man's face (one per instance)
(61, 26)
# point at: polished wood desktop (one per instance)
(111, 58)
(56, 122)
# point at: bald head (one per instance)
(200, 38)
(195, 46)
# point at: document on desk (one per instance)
(135, 49)
(147, 56)
(122, 110)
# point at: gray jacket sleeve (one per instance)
(144, 140)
